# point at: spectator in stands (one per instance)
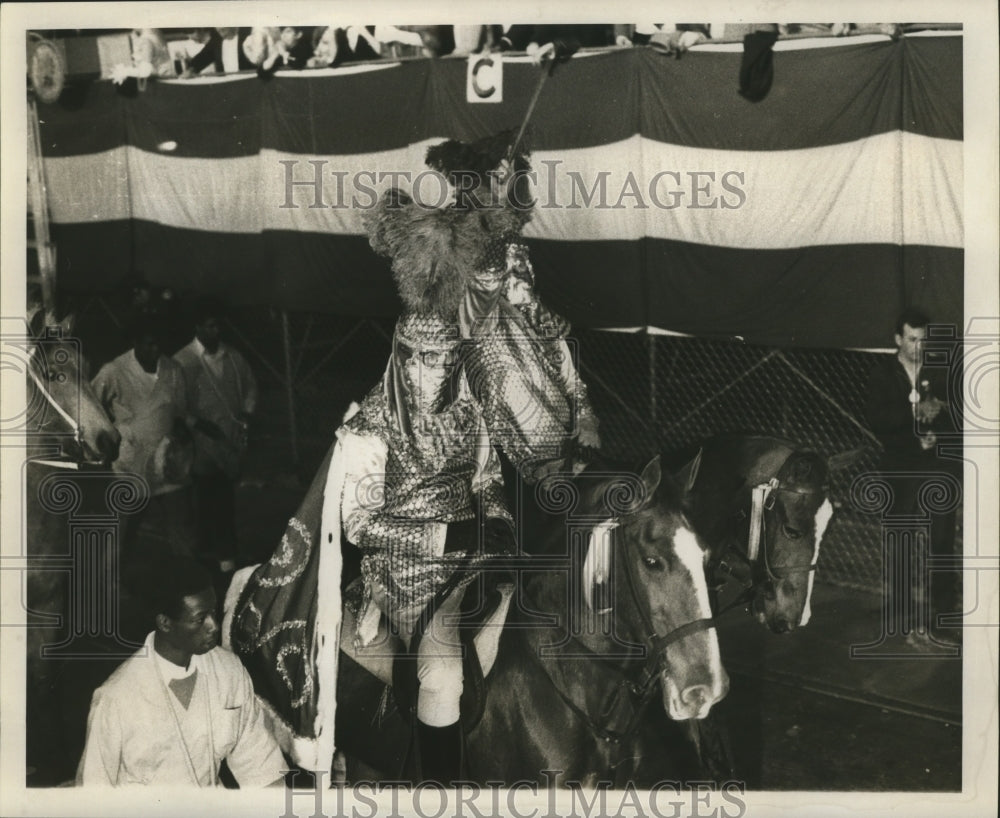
(150, 57)
(181, 705)
(221, 51)
(673, 38)
(906, 412)
(506, 37)
(222, 396)
(334, 45)
(544, 41)
(437, 41)
(271, 49)
(144, 394)
(468, 39)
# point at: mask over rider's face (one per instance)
(423, 372)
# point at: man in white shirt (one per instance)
(222, 395)
(181, 705)
(144, 394)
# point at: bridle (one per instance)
(640, 686)
(68, 419)
(755, 557)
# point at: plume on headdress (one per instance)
(481, 156)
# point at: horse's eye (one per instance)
(653, 563)
(792, 533)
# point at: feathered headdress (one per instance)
(434, 251)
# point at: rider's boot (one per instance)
(442, 753)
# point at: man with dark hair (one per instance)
(144, 394)
(904, 404)
(222, 395)
(181, 705)
(905, 410)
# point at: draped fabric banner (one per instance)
(664, 199)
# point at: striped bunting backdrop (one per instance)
(664, 199)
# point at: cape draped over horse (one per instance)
(66, 430)
(612, 613)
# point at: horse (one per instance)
(600, 630)
(761, 504)
(66, 429)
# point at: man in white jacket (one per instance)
(222, 395)
(174, 710)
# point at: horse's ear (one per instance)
(651, 476)
(687, 476)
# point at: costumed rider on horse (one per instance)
(415, 484)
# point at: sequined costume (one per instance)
(521, 368)
(400, 495)
(409, 478)
(467, 262)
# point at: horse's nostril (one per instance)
(695, 696)
(781, 626)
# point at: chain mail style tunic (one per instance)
(519, 365)
(401, 493)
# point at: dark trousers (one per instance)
(215, 499)
(917, 596)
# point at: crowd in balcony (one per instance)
(193, 52)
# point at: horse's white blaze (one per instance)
(692, 557)
(597, 565)
(823, 516)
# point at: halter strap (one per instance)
(70, 420)
(758, 502)
(762, 499)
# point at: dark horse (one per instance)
(65, 429)
(761, 505)
(610, 614)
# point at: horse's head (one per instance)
(647, 551)
(60, 392)
(795, 515)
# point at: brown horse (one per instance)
(611, 614)
(761, 505)
(66, 430)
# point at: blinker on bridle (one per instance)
(763, 497)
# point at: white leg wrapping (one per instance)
(439, 668)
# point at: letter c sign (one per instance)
(484, 78)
